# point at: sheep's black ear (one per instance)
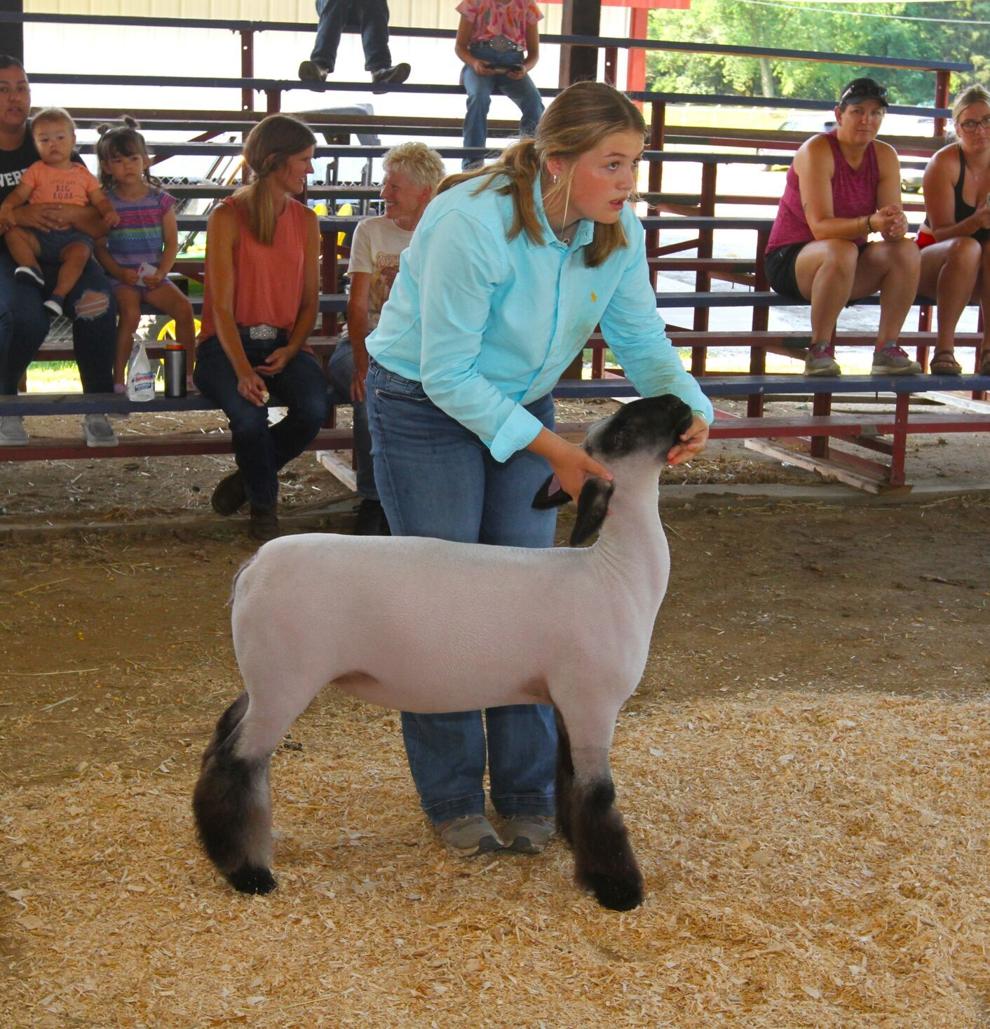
(592, 508)
(550, 495)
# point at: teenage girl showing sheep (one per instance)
(510, 269)
(146, 235)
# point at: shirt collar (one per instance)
(583, 233)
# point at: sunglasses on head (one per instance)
(867, 91)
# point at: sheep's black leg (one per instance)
(564, 792)
(232, 807)
(603, 858)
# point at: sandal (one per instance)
(944, 363)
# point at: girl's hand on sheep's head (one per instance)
(693, 441)
(572, 465)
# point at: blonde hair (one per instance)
(53, 116)
(417, 161)
(975, 94)
(577, 121)
(267, 148)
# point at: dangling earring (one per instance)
(554, 180)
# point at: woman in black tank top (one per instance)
(960, 227)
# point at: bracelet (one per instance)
(869, 223)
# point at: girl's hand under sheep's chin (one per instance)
(693, 441)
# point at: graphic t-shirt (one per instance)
(13, 164)
(70, 185)
(375, 249)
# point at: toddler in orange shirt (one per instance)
(56, 178)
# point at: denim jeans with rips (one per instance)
(24, 325)
(436, 478)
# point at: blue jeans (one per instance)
(259, 449)
(373, 22)
(522, 92)
(340, 371)
(436, 478)
(24, 325)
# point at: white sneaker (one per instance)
(12, 431)
(98, 431)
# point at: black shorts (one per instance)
(779, 264)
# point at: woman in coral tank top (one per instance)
(259, 307)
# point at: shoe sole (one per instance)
(486, 845)
(834, 370)
(895, 371)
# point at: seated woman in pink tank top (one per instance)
(259, 306)
(843, 186)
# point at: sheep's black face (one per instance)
(651, 425)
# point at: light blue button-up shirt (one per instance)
(488, 324)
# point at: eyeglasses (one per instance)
(972, 124)
(864, 91)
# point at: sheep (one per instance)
(427, 625)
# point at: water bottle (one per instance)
(175, 369)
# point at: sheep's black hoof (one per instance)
(252, 879)
(615, 894)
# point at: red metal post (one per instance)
(247, 68)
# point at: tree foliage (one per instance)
(821, 28)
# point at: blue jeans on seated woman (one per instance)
(436, 478)
(479, 88)
(259, 449)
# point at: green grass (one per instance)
(53, 377)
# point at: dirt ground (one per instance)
(112, 567)
(115, 661)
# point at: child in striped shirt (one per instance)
(139, 252)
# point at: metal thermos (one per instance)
(175, 370)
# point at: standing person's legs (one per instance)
(524, 94)
(522, 739)
(430, 475)
(479, 97)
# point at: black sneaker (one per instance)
(26, 273)
(371, 520)
(313, 71)
(385, 77)
(264, 525)
(229, 496)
